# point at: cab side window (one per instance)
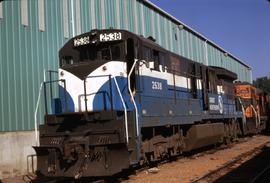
(162, 61)
(212, 81)
(156, 60)
(147, 54)
(175, 65)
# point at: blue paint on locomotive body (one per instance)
(158, 103)
(116, 99)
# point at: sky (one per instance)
(241, 27)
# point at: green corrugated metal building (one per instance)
(32, 32)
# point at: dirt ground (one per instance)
(187, 169)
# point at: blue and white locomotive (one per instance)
(124, 100)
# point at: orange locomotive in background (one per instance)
(248, 96)
(254, 104)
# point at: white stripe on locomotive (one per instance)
(75, 86)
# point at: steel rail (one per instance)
(260, 175)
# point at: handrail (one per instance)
(39, 95)
(132, 97)
(45, 93)
(36, 110)
(256, 116)
(97, 76)
(43, 84)
(105, 93)
(50, 77)
(38, 100)
(244, 121)
(85, 93)
(124, 105)
(119, 92)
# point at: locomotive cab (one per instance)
(94, 59)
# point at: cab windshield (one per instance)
(99, 52)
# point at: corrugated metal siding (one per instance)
(25, 51)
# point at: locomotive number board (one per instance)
(114, 36)
(81, 41)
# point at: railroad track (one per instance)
(250, 167)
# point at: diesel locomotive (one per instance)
(124, 101)
(255, 106)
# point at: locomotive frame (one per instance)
(151, 104)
